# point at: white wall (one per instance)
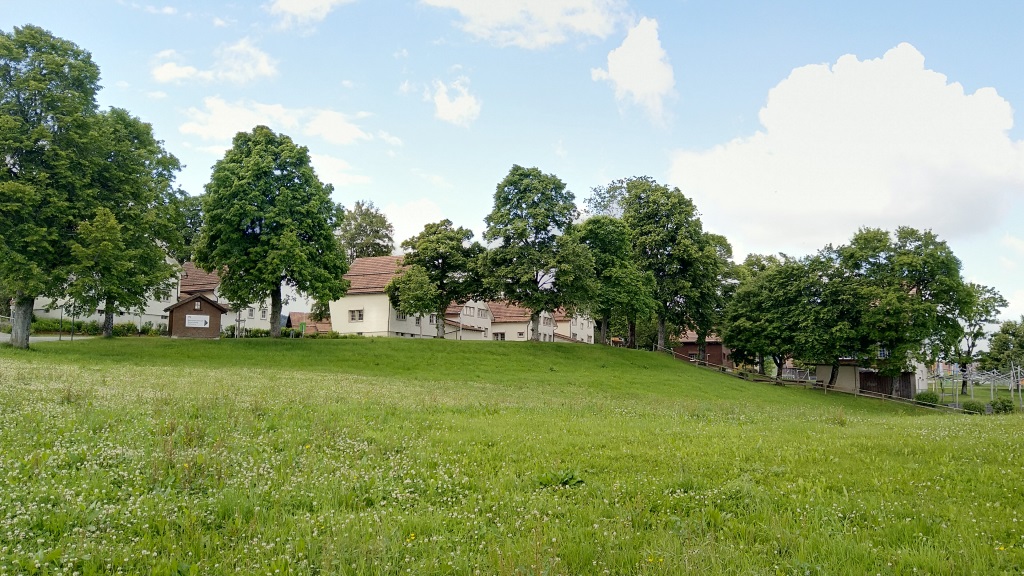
(579, 328)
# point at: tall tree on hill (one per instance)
(47, 99)
(668, 241)
(623, 288)
(449, 263)
(269, 221)
(365, 232)
(979, 307)
(134, 177)
(537, 265)
(183, 214)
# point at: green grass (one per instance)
(153, 456)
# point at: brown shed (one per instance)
(195, 317)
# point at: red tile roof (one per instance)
(296, 318)
(689, 336)
(505, 312)
(371, 275)
(194, 280)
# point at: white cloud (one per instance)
(219, 22)
(157, 95)
(165, 10)
(882, 142)
(639, 69)
(1015, 310)
(1015, 244)
(336, 171)
(334, 127)
(399, 54)
(390, 139)
(240, 62)
(409, 218)
(1007, 264)
(303, 11)
(218, 121)
(435, 180)
(460, 109)
(535, 23)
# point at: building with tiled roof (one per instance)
(296, 319)
(512, 322)
(194, 280)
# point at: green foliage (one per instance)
(441, 267)
(47, 100)
(536, 264)
(125, 329)
(973, 407)
(1003, 406)
(927, 398)
(269, 221)
(1006, 347)
(364, 231)
(559, 479)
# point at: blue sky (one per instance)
(790, 124)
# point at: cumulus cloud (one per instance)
(883, 142)
(535, 24)
(303, 11)
(639, 69)
(389, 138)
(240, 62)
(460, 107)
(409, 218)
(336, 171)
(334, 127)
(162, 10)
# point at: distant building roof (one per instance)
(505, 312)
(194, 297)
(297, 318)
(195, 280)
(689, 336)
(371, 275)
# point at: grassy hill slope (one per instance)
(439, 457)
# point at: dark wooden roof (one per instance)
(194, 297)
(195, 280)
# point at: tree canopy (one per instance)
(48, 91)
(441, 266)
(365, 232)
(269, 221)
(535, 264)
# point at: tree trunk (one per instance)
(535, 326)
(832, 377)
(779, 362)
(275, 312)
(760, 364)
(661, 333)
(108, 319)
(439, 323)
(702, 349)
(21, 320)
(631, 336)
(604, 330)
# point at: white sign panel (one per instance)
(197, 321)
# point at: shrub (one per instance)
(973, 407)
(92, 328)
(256, 333)
(125, 329)
(1003, 406)
(927, 398)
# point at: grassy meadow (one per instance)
(364, 456)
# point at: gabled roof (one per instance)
(690, 336)
(194, 297)
(371, 275)
(505, 312)
(450, 322)
(195, 280)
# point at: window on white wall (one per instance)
(433, 319)
(263, 314)
(252, 312)
(418, 320)
(400, 316)
(499, 335)
(355, 315)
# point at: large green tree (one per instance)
(669, 241)
(535, 264)
(365, 232)
(134, 177)
(1005, 347)
(47, 100)
(978, 309)
(445, 256)
(623, 288)
(269, 222)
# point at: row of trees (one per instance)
(641, 254)
(882, 299)
(90, 214)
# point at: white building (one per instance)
(196, 281)
(578, 328)
(511, 322)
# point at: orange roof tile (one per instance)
(371, 275)
(297, 318)
(195, 280)
(505, 312)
